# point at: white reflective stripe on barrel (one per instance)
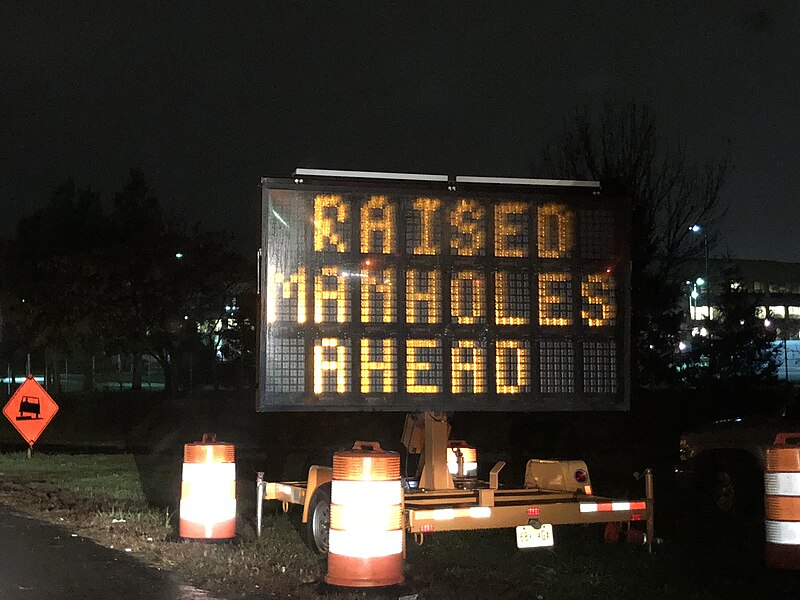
(782, 484)
(208, 510)
(366, 493)
(210, 475)
(365, 544)
(783, 532)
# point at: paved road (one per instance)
(39, 561)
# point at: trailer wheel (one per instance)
(319, 519)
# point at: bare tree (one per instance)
(621, 148)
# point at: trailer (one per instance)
(433, 295)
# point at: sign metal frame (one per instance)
(582, 199)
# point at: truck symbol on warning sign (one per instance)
(29, 408)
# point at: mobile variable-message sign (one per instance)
(421, 292)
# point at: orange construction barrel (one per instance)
(458, 451)
(208, 490)
(365, 546)
(782, 502)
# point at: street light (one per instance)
(700, 280)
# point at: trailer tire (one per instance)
(319, 519)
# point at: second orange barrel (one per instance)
(782, 502)
(208, 490)
(366, 522)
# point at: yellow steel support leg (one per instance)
(435, 475)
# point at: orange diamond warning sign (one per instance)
(30, 410)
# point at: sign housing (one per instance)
(425, 294)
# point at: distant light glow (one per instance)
(682, 346)
(695, 228)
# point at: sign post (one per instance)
(30, 410)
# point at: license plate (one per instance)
(530, 537)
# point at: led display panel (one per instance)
(394, 295)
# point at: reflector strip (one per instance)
(365, 544)
(782, 484)
(208, 511)
(366, 493)
(448, 514)
(783, 532)
(590, 507)
(210, 474)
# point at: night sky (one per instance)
(206, 98)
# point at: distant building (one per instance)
(777, 285)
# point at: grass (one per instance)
(105, 497)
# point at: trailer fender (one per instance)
(317, 476)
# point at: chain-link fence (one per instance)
(125, 371)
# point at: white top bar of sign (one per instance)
(368, 175)
(522, 181)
